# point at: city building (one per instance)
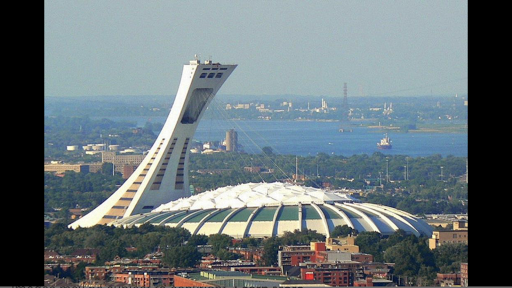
(460, 225)
(163, 174)
(346, 244)
(138, 278)
(121, 160)
(276, 271)
(451, 236)
(464, 274)
(448, 280)
(333, 273)
(62, 168)
(231, 140)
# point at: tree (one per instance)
(224, 254)
(395, 238)
(112, 249)
(79, 271)
(412, 258)
(342, 231)
(181, 256)
(371, 243)
(107, 168)
(174, 237)
(198, 239)
(298, 237)
(149, 242)
(267, 150)
(449, 256)
(270, 248)
(219, 241)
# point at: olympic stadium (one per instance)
(271, 209)
(158, 191)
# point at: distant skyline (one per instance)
(379, 48)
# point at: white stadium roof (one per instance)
(255, 195)
(270, 209)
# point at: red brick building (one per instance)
(334, 274)
(254, 255)
(448, 279)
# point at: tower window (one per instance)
(203, 75)
(218, 75)
(211, 75)
(196, 104)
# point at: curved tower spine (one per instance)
(163, 174)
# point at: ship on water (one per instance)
(385, 143)
(345, 130)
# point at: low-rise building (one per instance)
(160, 277)
(333, 273)
(346, 244)
(275, 271)
(448, 280)
(451, 236)
(464, 274)
(61, 168)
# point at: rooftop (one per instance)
(256, 195)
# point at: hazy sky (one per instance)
(400, 47)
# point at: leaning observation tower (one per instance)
(163, 174)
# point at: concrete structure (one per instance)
(345, 244)
(271, 209)
(163, 174)
(61, 168)
(113, 147)
(124, 164)
(443, 237)
(119, 160)
(460, 225)
(231, 140)
(72, 147)
(464, 274)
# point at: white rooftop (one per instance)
(256, 195)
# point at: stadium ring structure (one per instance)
(270, 209)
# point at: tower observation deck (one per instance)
(163, 174)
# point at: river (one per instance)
(312, 137)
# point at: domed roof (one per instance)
(270, 209)
(255, 195)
